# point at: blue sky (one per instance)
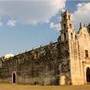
(28, 24)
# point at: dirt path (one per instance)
(28, 87)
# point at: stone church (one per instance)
(65, 62)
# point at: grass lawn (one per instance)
(28, 87)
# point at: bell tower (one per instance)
(69, 53)
(66, 26)
(64, 44)
(66, 23)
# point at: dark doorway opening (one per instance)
(88, 75)
(14, 78)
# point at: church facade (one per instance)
(65, 62)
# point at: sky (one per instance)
(28, 24)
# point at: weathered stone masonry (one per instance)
(38, 66)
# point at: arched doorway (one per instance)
(88, 75)
(14, 77)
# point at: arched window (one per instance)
(70, 25)
(71, 36)
(65, 36)
(75, 37)
(86, 53)
(64, 26)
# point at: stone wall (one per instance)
(37, 66)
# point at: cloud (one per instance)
(82, 14)
(31, 11)
(55, 26)
(1, 24)
(11, 23)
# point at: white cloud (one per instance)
(31, 11)
(1, 24)
(82, 14)
(11, 23)
(55, 26)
